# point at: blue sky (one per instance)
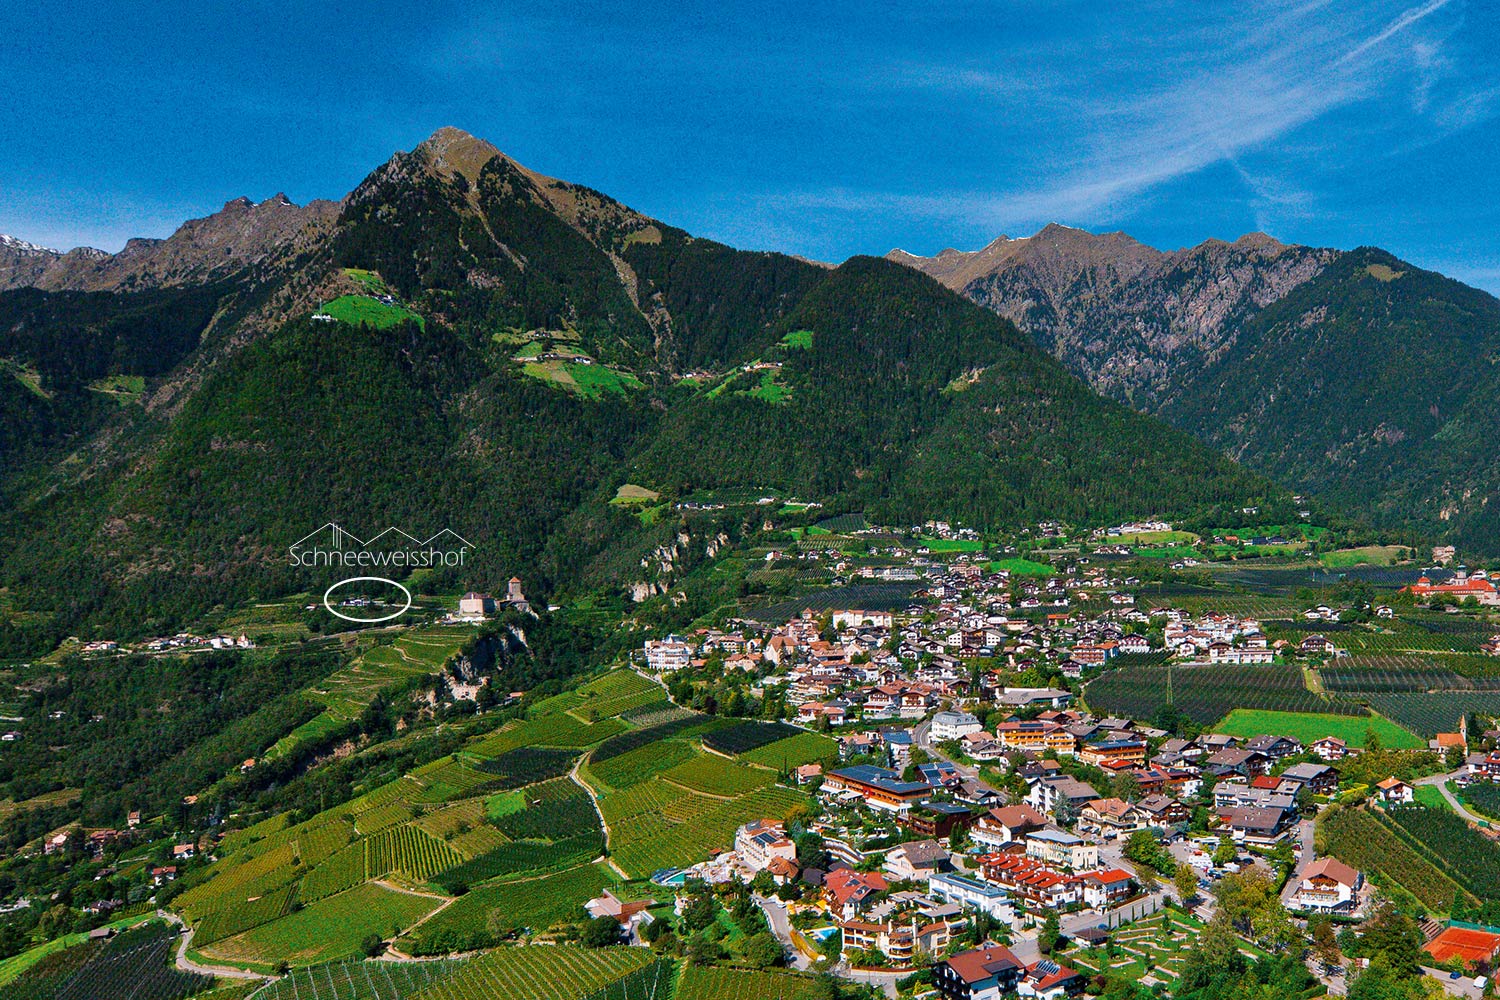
(789, 126)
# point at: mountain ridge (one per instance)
(526, 361)
(1225, 340)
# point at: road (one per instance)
(1305, 857)
(187, 965)
(1441, 782)
(884, 980)
(781, 927)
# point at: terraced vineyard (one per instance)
(137, 965)
(417, 653)
(1466, 855)
(642, 764)
(656, 825)
(712, 983)
(497, 909)
(561, 972)
(1430, 714)
(357, 980)
(742, 737)
(329, 929)
(1400, 673)
(231, 920)
(409, 851)
(1356, 837)
(716, 776)
(804, 748)
(1208, 693)
(527, 765)
(614, 693)
(519, 858)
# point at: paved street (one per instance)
(1304, 860)
(781, 926)
(1440, 781)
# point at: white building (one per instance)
(973, 893)
(761, 841)
(1328, 886)
(666, 655)
(954, 726)
(1059, 847)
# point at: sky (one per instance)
(818, 129)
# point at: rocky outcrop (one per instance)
(241, 235)
(1134, 321)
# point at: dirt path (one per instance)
(603, 823)
(394, 954)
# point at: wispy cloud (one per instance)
(1211, 104)
(1400, 24)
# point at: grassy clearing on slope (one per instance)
(1373, 555)
(124, 389)
(630, 493)
(798, 339)
(357, 309)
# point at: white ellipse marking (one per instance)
(367, 579)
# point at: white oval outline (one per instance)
(369, 579)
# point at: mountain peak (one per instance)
(22, 247)
(451, 150)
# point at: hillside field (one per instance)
(1310, 726)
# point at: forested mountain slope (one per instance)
(470, 345)
(1353, 375)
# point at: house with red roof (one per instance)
(847, 892)
(1477, 586)
(1044, 979)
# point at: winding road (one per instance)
(1441, 783)
(187, 965)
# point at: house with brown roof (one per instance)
(986, 973)
(1005, 825)
(1328, 886)
(1111, 817)
(1394, 791)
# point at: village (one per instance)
(981, 820)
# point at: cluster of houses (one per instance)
(184, 641)
(873, 664)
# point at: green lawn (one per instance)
(368, 280)
(1309, 726)
(1431, 797)
(1019, 566)
(631, 493)
(358, 309)
(594, 381)
(328, 929)
(124, 388)
(591, 381)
